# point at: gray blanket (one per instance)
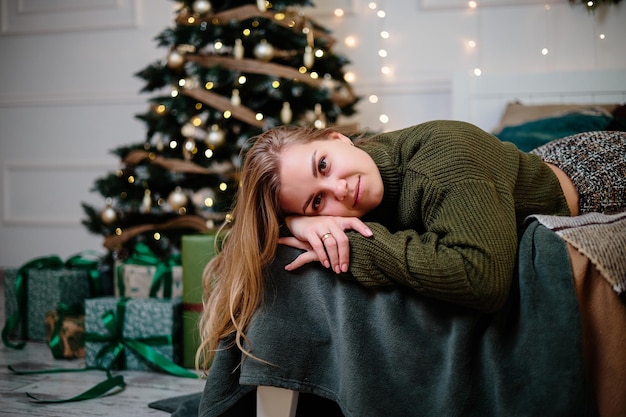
(393, 353)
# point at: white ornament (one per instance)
(264, 51)
(320, 119)
(215, 137)
(177, 199)
(308, 57)
(238, 50)
(201, 6)
(261, 5)
(235, 99)
(286, 114)
(146, 203)
(189, 148)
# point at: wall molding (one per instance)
(15, 171)
(77, 99)
(19, 17)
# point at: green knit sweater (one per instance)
(455, 198)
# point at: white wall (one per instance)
(68, 94)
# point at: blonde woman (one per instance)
(436, 207)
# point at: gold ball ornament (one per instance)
(177, 199)
(201, 6)
(215, 137)
(264, 51)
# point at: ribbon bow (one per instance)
(143, 347)
(162, 277)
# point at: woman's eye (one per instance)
(321, 166)
(316, 202)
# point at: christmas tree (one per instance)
(232, 69)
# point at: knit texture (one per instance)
(454, 202)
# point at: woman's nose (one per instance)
(340, 189)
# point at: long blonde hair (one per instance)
(233, 280)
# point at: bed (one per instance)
(335, 348)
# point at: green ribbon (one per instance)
(143, 347)
(20, 294)
(56, 347)
(162, 277)
(103, 388)
(90, 262)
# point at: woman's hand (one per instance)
(323, 239)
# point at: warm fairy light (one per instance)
(384, 34)
(382, 53)
(157, 236)
(350, 77)
(385, 70)
(381, 13)
(174, 93)
(351, 41)
(590, 4)
(131, 179)
(383, 118)
(118, 231)
(258, 116)
(246, 32)
(472, 4)
(339, 12)
(302, 70)
(223, 186)
(279, 16)
(198, 106)
(373, 98)
(209, 85)
(242, 79)
(218, 45)
(182, 82)
(275, 84)
(208, 202)
(314, 75)
(544, 51)
(227, 114)
(319, 53)
(196, 121)
(471, 44)
(173, 144)
(477, 72)
(372, 5)
(208, 153)
(191, 20)
(602, 36)
(160, 108)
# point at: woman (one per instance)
(436, 207)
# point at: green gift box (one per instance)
(30, 292)
(196, 251)
(132, 333)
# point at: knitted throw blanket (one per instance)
(600, 237)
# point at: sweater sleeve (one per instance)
(466, 256)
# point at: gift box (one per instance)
(144, 275)
(31, 292)
(65, 332)
(196, 251)
(119, 332)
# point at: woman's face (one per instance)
(329, 177)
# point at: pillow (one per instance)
(517, 113)
(530, 135)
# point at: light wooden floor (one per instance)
(141, 387)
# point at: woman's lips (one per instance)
(357, 192)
